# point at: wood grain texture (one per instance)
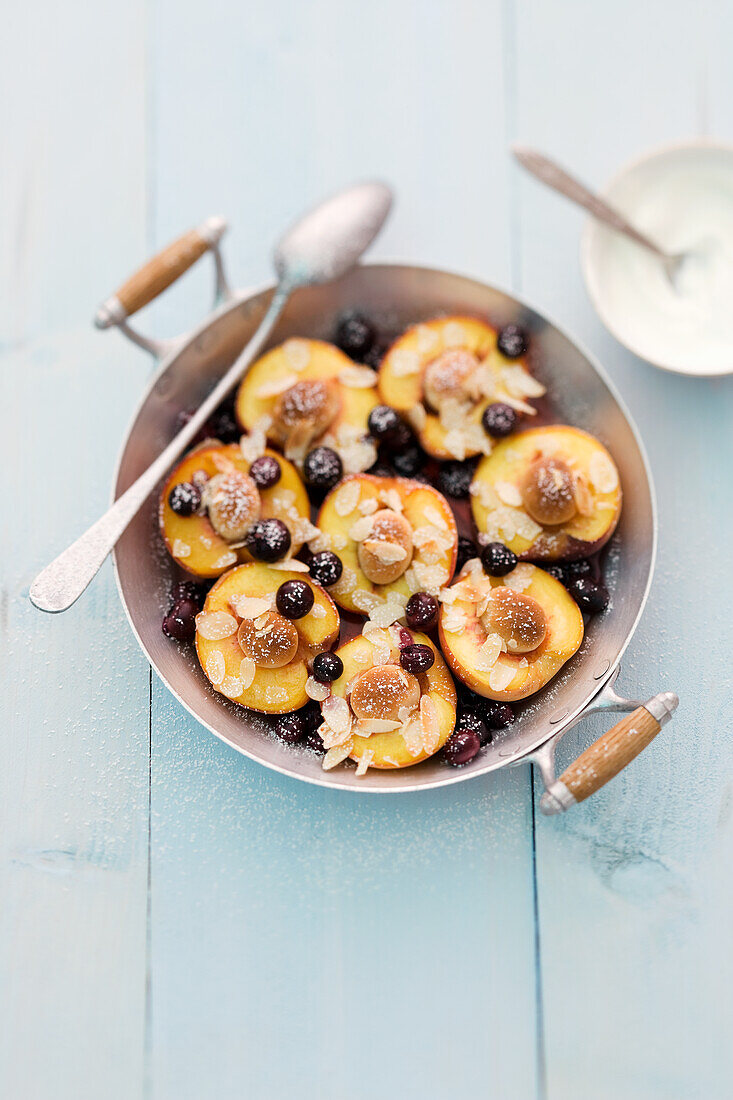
(161, 271)
(607, 756)
(74, 689)
(304, 944)
(644, 867)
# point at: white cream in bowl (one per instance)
(681, 197)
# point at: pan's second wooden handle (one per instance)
(159, 272)
(607, 756)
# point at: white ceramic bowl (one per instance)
(605, 256)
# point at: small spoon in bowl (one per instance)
(322, 245)
(550, 173)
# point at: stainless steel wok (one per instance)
(397, 295)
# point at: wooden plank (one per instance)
(74, 751)
(635, 885)
(305, 943)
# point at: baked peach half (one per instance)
(251, 653)
(213, 498)
(506, 637)
(393, 535)
(549, 494)
(442, 374)
(381, 715)
(307, 393)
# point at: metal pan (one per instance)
(579, 393)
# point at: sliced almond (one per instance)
(361, 529)
(429, 724)
(181, 549)
(489, 653)
(337, 755)
(215, 667)
(314, 689)
(346, 498)
(367, 726)
(297, 352)
(364, 761)
(247, 670)
(501, 676)
(231, 686)
(336, 713)
(508, 494)
(276, 386)
(404, 362)
(358, 378)
(387, 552)
(249, 607)
(215, 625)
(602, 472)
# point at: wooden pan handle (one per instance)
(157, 274)
(609, 755)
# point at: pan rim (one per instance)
(454, 776)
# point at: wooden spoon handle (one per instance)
(609, 755)
(157, 274)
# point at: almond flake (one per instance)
(297, 352)
(290, 564)
(454, 622)
(231, 687)
(385, 615)
(358, 378)
(369, 506)
(215, 625)
(361, 529)
(247, 670)
(276, 386)
(318, 611)
(432, 515)
(520, 577)
(314, 689)
(346, 498)
(508, 494)
(337, 755)
(455, 444)
(454, 335)
(364, 761)
(367, 726)
(602, 473)
(520, 383)
(391, 498)
(489, 653)
(519, 405)
(206, 542)
(501, 677)
(181, 549)
(365, 601)
(249, 607)
(403, 362)
(215, 667)
(412, 735)
(426, 338)
(417, 417)
(336, 714)
(225, 560)
(389, 553)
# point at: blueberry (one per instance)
(265, 472)
(327, 667)
(355, 334)
(421, 611)
(454, 479)
(467, 549)
(461, 746)
(375, 355)
(591, 596)
(497, 559)
(417, 658)
(294, 599)
(384, 423)
(557, 571)
(512, 341)
(290, 727)
(582, 568)
(497, 716)
(223, 425)
(468, 699)
(180, 622)
(322, 468)
(268, 540)
(314, 741)
(325, 568)
(402, 438)
(184, 499)
(311, 716)
(189, 590)
(410, 461)
(499, 419)
(472, 720)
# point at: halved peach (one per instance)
(549, 494)
(393, 535)
(193, 542)
(309, 393)
(442, 374)
(416, 738)
(235, 612)
(506, 637)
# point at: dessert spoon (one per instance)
(550, 173)
(323, 244)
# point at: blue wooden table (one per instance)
(177, 922)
